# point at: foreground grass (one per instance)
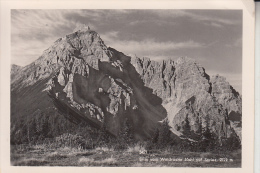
(43, 156)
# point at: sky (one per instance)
(212, 37)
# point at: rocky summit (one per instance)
(86, 81)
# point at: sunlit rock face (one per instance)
(190, 95)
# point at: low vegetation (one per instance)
(85, 146)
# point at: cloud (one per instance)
(147, 46)
(46, 22)
(33, 31)
(236, 43)
(214, 24)
(153, 21)
(213, 21)
(23, 54)
(110, 36)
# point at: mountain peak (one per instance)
(82, 28)
(182, 60)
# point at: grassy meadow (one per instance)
(136, 156)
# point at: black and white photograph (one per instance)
(126, 88)
(141, 86)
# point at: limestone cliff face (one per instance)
(190, 96)
(93, 83)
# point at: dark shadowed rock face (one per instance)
(100, 85)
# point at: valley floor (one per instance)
(39, 155)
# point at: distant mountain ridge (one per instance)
(101, 85)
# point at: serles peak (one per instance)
(82, 28)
